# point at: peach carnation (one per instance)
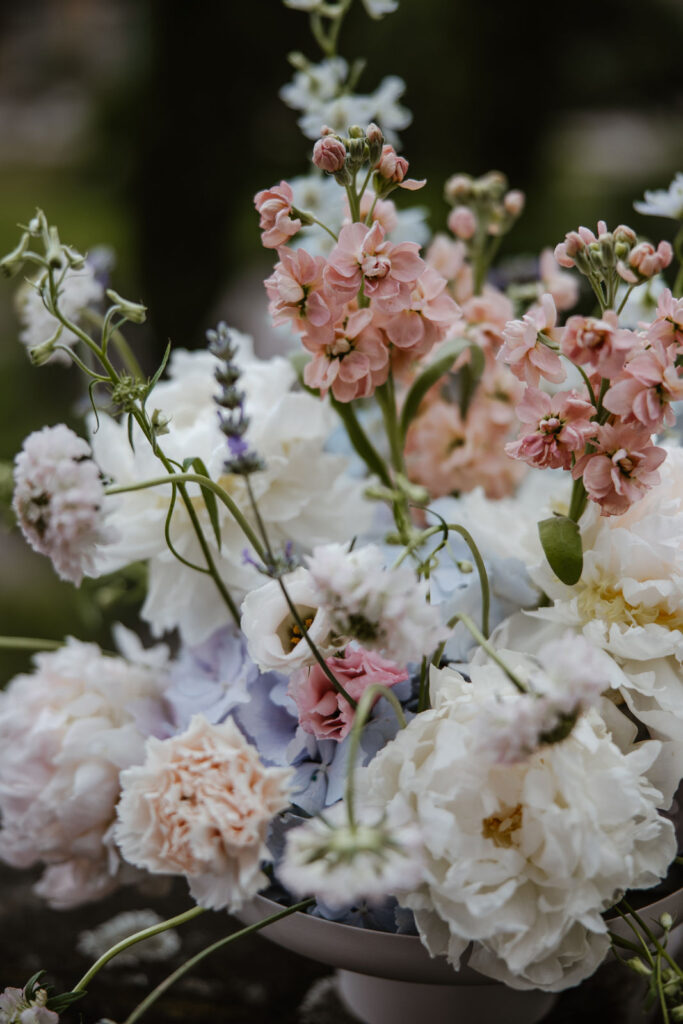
(200, 806)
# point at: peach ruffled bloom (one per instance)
(649, 384)
(526, 354)
(644, 262)
(563, 287)
(562, 425)
(621, 469)
(354, 363)
(668, 325)
(426, 320)
(324, 712)
(363, 256)
(298, 295)
(275, 208)
(598, 342)
(200, 806)
(449, 259)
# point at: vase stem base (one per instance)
(382, 1001)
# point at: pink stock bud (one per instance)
(373, 133)
(392, 166)
(329, 154)
(514, 202)
(462, 222)
(458, 187)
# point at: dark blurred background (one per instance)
(148, 126)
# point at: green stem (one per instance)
(579, 500)
(423, 697)
(131, 940)
(361, 442)
(149, 1000)
(365, 706)
(625, 299)
(28, 643)
(324, 227)
(122, 346)
(491, 651)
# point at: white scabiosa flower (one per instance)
(66, 731)
(200, 806)
(339, 863)
(664, 202)
(79, 289)
(521, 859)
(383, 609)
(58, 498)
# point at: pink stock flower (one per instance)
(355, 361)
(394, 168)
(644, 262)
(575, 243)
(514, 202)
(297, 293)
(562, 425)
(427, 319)
(449, 259)
(322, 710)
(275, 207)
(486, 315)
(621, 469)
(647, 387)
(329, 154)
(526, 354)
(363, 256)
(383, 211)
(599, 342)
(563, 287)
(668, 325)
(462, 222)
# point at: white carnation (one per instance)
(78, 290)
(58, 498)
(522, 858)
(303, 493)
(66, 731)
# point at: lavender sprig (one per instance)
(232, 417)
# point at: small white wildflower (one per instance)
(315, 85)
(57, 499)
(386, 610)
(17, 1008)
(664, 202)
(78, 289)
(378, 8)
(94, 942)
(340, 864)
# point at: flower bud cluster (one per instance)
(612, 255)
(233, 420)
(482, 206)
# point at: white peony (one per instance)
(66, 731)
(303, 493)
(523, 858)
(78, 290)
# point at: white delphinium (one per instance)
(200, 806)
(521, 859)
(94, 942)
(384, 609)
(66, 731)
(303, 492)
(340, 863)
(58, 498)
(316, 84)
(79, 289)
(664, 202)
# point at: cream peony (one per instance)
(304, 495)
(519, 858)
(200, 806)
(66, 731)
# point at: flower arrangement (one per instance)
(417, 588)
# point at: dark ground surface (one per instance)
(251, 982)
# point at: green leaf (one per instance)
(162, 366)
(196, 463)
(360, 441)
(470, 375)
(561, 540)
(60, 1003)
(441, 365)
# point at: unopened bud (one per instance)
(391, 166)
(375, 139)
(462, 222)
(13, 261)
(358, 152)
(356, 132)
(465, 566)
(133, 311)
(329, 154)
(514, 202)
(306, 218)
(666, 921)
(40, 354)
(458, 188)
(492, 185)
(298, 60)
(53, 252)
(639, 967)
(74, 257)
(159, 423)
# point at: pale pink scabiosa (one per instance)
(66, 731)
(353, 363)
(363, 256)
(340, 863)
(383, 609)
(622, 467)
(58, 496)
(650, 382)
(562, 425)
(426, 319)
(644, 262)
(322, 710)
(528, 356)
(275, 208)
(393, 168)
(598, 342)
(200, 806)
(298, 295)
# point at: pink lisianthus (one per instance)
(353, 363)
(526, 354)
(298, 295)
(363, 256)
(644, 262)
(322, 710)
(598, 342)
(562, 425)
(647, 387)
(275, 207)
(393, 168)
(668, 325)
(563, 287)
(621, 469)
(428, 318)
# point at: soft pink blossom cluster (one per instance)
(602, 431)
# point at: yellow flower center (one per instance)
(606, 601)
(500, 827)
